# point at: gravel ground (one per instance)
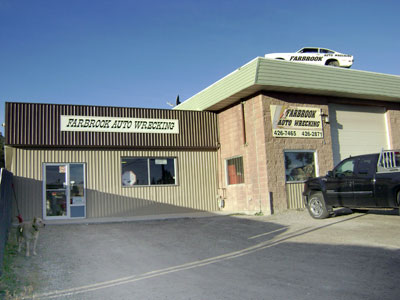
(193, 258)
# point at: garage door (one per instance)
(357, 130)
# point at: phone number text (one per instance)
(297, 133)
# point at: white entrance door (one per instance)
(64, 191)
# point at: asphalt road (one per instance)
(286, 256)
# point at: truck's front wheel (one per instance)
(316, 206)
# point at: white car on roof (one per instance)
(316, 56)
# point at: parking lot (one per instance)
(285, 256)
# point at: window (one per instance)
(309, 50)
(346, 168)
(366, 167)
(326, 51)
(299, 165)
(235, 170)
(147, 171)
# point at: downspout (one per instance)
(220, 170)
(244, 123)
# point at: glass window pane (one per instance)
(235, 170)
(55, 177)
(77, 184)
(162, 171)
(299, 166)
(56, 203)
(310, 50)
(76, 180)
(134, 171)
(345, 169)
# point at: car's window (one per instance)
(346, 168)
(326, 51)
(309, 50)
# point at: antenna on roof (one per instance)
(177, 102)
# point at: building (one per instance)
(246, 144)
(72, 161)
(281, 122)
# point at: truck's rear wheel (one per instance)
(316, 206)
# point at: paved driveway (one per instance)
(287, 256)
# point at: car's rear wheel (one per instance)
(333, 63)
(316, 206)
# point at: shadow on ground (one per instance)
(215, 258)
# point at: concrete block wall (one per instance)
(257, 191)
(393, 117)
(244, 137)
(275, 147)
(263, 155)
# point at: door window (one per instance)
(345, 169)
(56, 195)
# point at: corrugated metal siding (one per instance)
(32, 124)
(196, 189)
(294, 195)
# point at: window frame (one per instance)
(148, 158)
(316, 170)
(227, 172)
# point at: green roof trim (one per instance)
(263, 74)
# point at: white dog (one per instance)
(29, 231)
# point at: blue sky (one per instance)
(144, 53)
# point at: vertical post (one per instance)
(243, 123)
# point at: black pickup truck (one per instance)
(364, 181)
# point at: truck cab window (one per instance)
(365, 168)
(345, 169)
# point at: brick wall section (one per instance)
(252, 196)
(275, 147)
(256, 166)
(263, 155)
(393, 117)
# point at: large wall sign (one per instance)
(296, 122)
(110, 124)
